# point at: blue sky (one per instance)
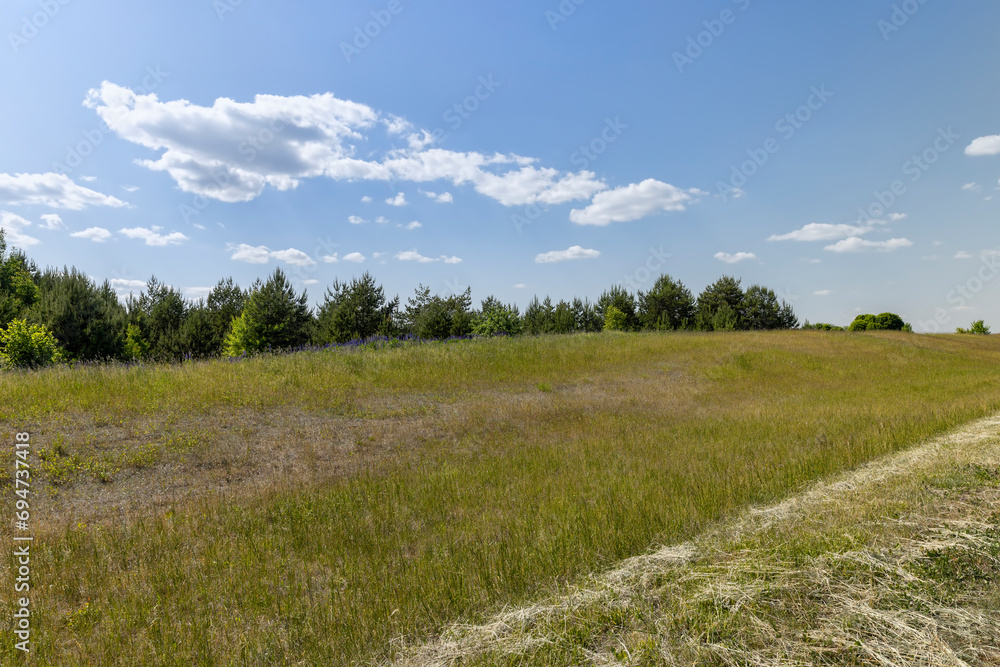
(845, 154)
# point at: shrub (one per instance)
(881, 322)
(136, 346)
(24, 345)
(978, 327)
(619, 298)
(614, 319)
(496, 318)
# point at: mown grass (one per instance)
(516, 467)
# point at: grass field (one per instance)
(336, 507)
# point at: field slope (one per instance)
(340, 507)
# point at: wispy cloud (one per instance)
(734, 258)
(573, 252)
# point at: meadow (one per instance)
(338, 507)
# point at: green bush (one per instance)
(614, 319)
(24, 345)
(978, 327)
(497, 318)
(274, 318)
(136, 346)
(881, 322)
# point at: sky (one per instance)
(846, 155)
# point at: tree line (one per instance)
(63, 315)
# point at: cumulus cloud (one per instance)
(152, 236)
(12, 224)
(52, 190)
(232, 150)
(262, 255)
(961, 254)
(972, 187)
(366, 200)
(856, 244)
(95, 234)
(896, 217)
(414, 225)
(122, 285)
(443, 198)
(413, 256)
(736, 258)
(632, 202)
(820, 231)
(398, 200)
(355, 257)
(988, 145)
(52, 221)
(573, 252)
(381, 220)
(356, 220)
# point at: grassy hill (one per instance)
(331, 507)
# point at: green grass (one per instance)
(517, 467)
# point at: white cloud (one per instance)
(823, 292)
(451, 260)
(262, 255)
(381, 220)
(356, 220)
(330, 259)
(310, 281)
(989, 145)
(12, 224)
(366, 200)
(89, 179)
(123, 285)
(95, 234)
(53, 190)
(376, 255)
(130, 188)
(293, 257)
(961, 254)
(896, 217)
(855, 244)
(52, 221)
(152, 236)
(355, 257)
(821, 231)
(413, 256)
(398, 200)
(734, 259)
(573, 252)
(443, 198)
(972, 187)
(632, 202)
(196, 293)
(520, 286)
(414, 225)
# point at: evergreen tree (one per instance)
(431, 316)
(354, 311)
(88, 321)
(18, 283)
(668, 305)
(273, 318)
(720, 306)
(621, 299)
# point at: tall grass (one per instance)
(531, 463)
